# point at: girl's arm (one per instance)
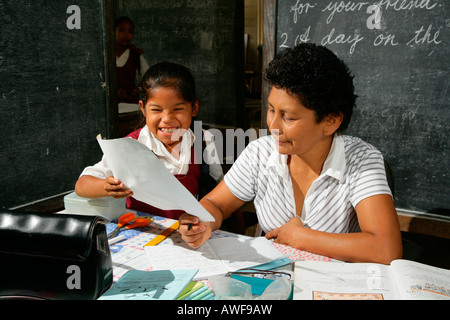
(92, 187)
(379, 240)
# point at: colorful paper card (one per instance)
(150, 285)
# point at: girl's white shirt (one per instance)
(175, 165)
(122, 60)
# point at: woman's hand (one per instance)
(288, 233)
(220, 203)
(194, 232)
(116, 189)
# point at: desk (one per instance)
(129, 254)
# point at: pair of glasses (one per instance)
(262, 274)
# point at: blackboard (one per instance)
(52, 95)
(399, 53)
(204, 35)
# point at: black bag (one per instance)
(53, 256)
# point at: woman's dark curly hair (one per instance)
(317, 77)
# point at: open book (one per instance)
(401, 280)
(215, 257)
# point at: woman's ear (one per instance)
(195, 108)
(332, 123)
(142, 106)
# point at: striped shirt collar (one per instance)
(334, 165)
(278, 163)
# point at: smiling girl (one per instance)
(168, 103)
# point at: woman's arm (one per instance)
(379, 240)
(220, 203)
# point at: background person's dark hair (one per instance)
(317, 77)
(121, 19)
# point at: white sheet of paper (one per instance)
(140, 170)
(215, 257)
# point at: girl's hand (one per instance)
(194, 232)
(116, 189)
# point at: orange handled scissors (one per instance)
(124, 221)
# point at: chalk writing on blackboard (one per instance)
(374, 14)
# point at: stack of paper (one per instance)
(196, 291)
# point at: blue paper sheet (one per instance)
(150, 285)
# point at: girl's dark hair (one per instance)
(168, 75)
(317, 77)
